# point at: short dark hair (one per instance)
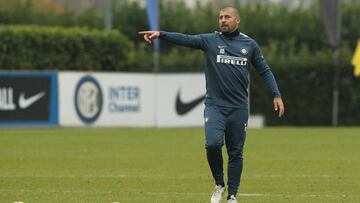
(231, 8)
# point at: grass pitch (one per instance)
(169, 165)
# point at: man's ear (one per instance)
(238, 20)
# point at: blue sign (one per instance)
(28, 99)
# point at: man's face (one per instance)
(228, 20)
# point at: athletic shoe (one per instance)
(232, 199)
(217, 194)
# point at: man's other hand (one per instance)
(279, 106)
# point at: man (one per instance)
(228, 55)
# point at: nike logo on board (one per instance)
(183, 108)
(26, 102)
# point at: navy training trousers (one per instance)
(225, 125)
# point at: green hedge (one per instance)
(305, 79)
(307, 93)
(21, 15)
(265, 23)
(39, 48)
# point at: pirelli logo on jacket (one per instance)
(231, 60)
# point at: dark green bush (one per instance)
(21, 15)
(39, 48)
(305, 79)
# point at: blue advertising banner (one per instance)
(28, 99)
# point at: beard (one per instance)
(225, 29)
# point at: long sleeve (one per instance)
(264, 70)
(192, 41)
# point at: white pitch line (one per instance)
(55, 191)
(119, 176)
(299, 176)
(324, 176)
(174, 193)
(290, 195)
(69, 176)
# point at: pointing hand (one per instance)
(149, 35)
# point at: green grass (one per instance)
(169, 165)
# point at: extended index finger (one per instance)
(144, 32)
